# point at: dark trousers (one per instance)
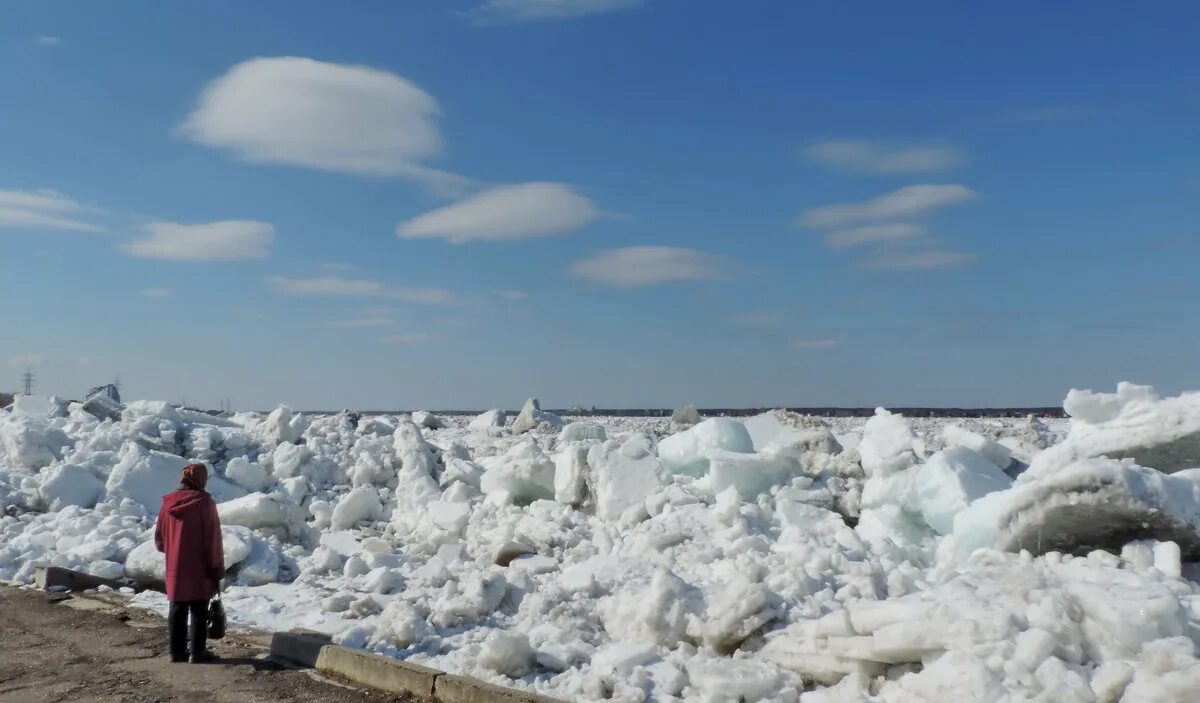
(177, 627)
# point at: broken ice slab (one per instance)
(104, 402)
(1133, 423)
(1091, 504)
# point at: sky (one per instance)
(460, 204)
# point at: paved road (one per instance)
(52, 652)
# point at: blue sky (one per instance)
(620, 203)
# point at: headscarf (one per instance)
(194, 476)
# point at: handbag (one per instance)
(216, 618)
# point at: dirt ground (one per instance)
(50, 651)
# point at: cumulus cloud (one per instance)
(881, 159)
(43, 209)
(226, 240)
(356, 288)
(334, 117)
(909, 201)
(803, 344)
(872, 234)
(501, 11)
(649, 265)
(920, 259)
(156, 292)
(506, 212)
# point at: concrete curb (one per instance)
(392, 675)
(52, 577)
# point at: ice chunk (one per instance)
(489, 422)
(686, 416)
(625, 475)
(428, 420)
(359, 505)
(43, 407)
(145, 476)
(1093, 503)
(570, 474)
(950, 481)
(30, 442)
(582, 432)
(532, 416)
(656, 613)
(146, 564)
(750, 474)
(104, 402)
(507, 653)
(888, 444)
(1134, 423)
(260, 567)
(281, 425)
(998, 454)
(249, 475)
(735, 680)
(67, 484)
(259, 510)
(688, 452)
(523, 474)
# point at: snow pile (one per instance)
(782, 558)
(1133, 423)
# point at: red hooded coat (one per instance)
(189, 533)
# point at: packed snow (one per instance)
(778, 557)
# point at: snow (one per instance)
(781, 558)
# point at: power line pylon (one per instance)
(27, 378)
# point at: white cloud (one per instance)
(649, 265)
(227, 240)
(362, 322)
(909, 201)
(506, 212)
(347, 287)
(47, 40)
(335, 117)
(43, 209)
(410, 339)
(914, 260)
(156, 292)
(872, 234)
(496, 11)
(803, 344)
(513, 294)
(27, 360)
(881, 159)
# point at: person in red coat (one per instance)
(188, 531)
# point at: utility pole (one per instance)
(27, 379)
(117, 383)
